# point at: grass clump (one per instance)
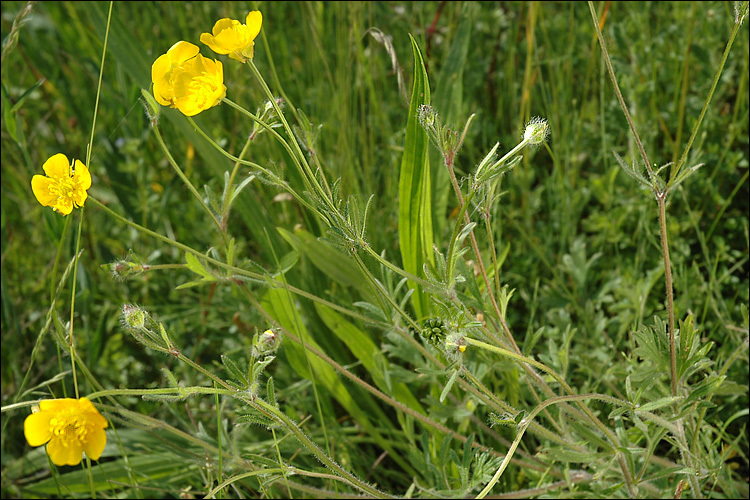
(383, 249)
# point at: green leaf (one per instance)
(335, 264)
(195, 265)
(365, 350)
(234, 370)
(448, 386)
(653, 405)
(415, 200)
(282, 308)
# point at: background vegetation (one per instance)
(577, 242)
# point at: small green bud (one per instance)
(133, 317)
(537, 131)
(266, 343)
(427, 116)
(152, 107)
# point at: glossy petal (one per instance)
(82, 175)
(40, 186)
(223, 24)
(64, 455)
(254, 21)
(64, 207)
(57, 166)
(95, 443)
(36, 428)
(181, 52)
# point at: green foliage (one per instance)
(325, 287)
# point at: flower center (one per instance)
(203, 88)
(64, 188)
(69, 427)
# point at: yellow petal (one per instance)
(57, 166)
(208, 39)
(94, 446)
(223, 24)
(56, 405)
(40, 187)
(181, 52)
(64, 208)
(82, 175)
(64, 455)
(36, 428)
(224, 42)
(92, 414)
(253, 22)
(161, 68)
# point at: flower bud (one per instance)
(266, 343)
(537, 131)
(427, 116)
(133, 317)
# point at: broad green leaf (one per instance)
(335, 264)
(415, 201)
(365, 350)
(281, 307)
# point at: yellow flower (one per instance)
(64, 186)
(69, 427)
(233, 38)
(186, 80)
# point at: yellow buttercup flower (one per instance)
(64, 187)
(186, 80)
(234, 38)
(69, 427)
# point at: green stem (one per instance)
(281, 141)
(177, 391)
(222, 265)
(708, 100)
(612, 77)
(350, 478)
(661, 200)
(60, 245)
(525, 424)
(306, 167)
(614, 442)
(73, 302)
(189, 184)
(239, 161)
(394, 268)
(219, 436)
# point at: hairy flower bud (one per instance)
(537, 131)
(133, 317)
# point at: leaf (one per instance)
(195, 265)
(234, 370)
(448, 386)
(335, 264)
(365, 350)
(281, 307)
(415, 201)
(653, 405)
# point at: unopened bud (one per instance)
(266, 343)
(537, 131)
(133, 316)
(426, 115)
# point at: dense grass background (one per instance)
(580, 239)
